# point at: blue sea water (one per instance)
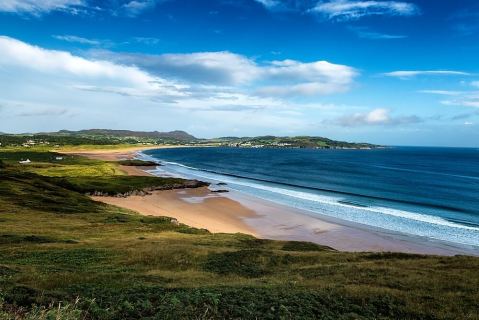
(430, 192)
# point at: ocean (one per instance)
(428, 192)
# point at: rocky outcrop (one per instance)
(220, 191)
(186, 184)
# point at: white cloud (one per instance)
(465, 98)
(286, 77)
(128, 8)
(223, 78)
(26, 58)
(269, 3)
(291, 77)
(413, 73)
(469, 98)
(304, 89)
(223, 68)
(21, 54)
(467, 101)
(134, 8)
(38, 7)
(470, 103)
(378, 116)
(366, 33)
(76, 39)
(351, 9)
(149, 41)
(442, 92)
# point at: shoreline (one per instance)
(301, 225)
(235, 212)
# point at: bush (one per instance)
(304, 246)
(246, 263)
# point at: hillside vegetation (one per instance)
(65, 256)
(291, 142)
(125, 137)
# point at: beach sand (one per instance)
(116, 155)
(235, 212)
(112, 155)
(199, 208)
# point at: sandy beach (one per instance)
(235, 212)
(199, 208)
(117, 154)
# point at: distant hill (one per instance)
(291, 142)
(107, 136)
(176, 135)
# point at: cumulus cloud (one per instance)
(38, 7)
(352, 10)
(378, 116)
(26, 58)
(286, 77)
(89, 85)
(21, 54)
(220, 79)
(222, 68)
(413, 73)
(296, 78)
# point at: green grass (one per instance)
(113, 185)
(46, 163)
(64, 256)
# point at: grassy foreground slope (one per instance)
(64, 256)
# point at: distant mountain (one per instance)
(175, 135)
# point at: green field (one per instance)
(64, 256)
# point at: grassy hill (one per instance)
(291, 142)
(64, 256)
(173, 135)
(122, 137)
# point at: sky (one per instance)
(386, 72)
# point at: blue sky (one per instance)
(389, 72)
